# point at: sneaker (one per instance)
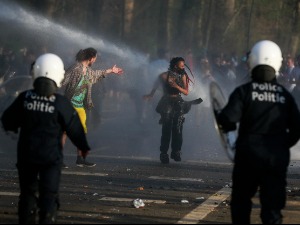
(81, 162)
(64, 166)
(164, 158)
(176, 156)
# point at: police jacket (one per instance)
(268, 118)
(41, 122)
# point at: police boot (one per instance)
(164, 158)
(48, 217)
(176, 155)
(27, 210)
(271, 217)
(30, 218)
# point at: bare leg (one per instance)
(64, 139)
(63, 142)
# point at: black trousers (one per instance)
(171, 128)
(247, 180)
(39, 186)
(172, 118)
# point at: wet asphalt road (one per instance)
(104, 194)
(196, 190)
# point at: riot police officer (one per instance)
(41, 116)
(269, 125)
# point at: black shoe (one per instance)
(164, 158)
(176, 156)
(81, 162)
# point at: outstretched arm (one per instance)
(100, 74)
(155, 86)
(115, 70)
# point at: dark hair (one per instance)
(86, 54)
(174, 62)
(31, 68)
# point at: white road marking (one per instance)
(153, 159)
(117, 157)
(78, 173)
(206, 207)
(130, 200)
(175, 179)
(9, 194)
(209, 162)
(84, 173)
(111, 199)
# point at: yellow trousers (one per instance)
(82, 115)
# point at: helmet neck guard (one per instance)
(44, 86)
(263, 73)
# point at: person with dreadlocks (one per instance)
(78, 82)
(172, 107)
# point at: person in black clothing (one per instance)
(296, 93)
(42, 116)
(171, 107)
(269, 125)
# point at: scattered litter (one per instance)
(95, 194)
(229, 185)
(225, 203)
(184, 201)
(138, 203)
(200, 198)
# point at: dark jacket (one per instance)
(269, 122)
(42, 122)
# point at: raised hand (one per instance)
(117, 70)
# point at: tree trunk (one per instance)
(94, 16)
(128, 17)
(209, 23)
(163, 34)
(294, 43)
(170, 22)
(199, 24)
